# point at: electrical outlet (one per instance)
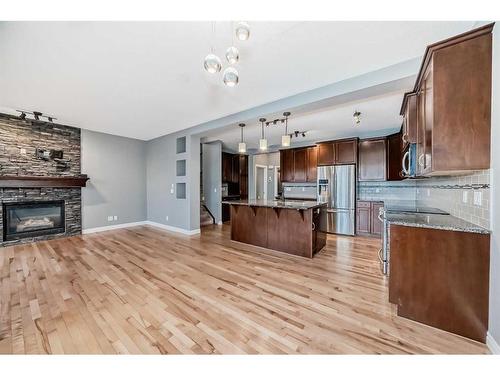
(110, 218)
(465, 196)
(166, 218)
(477, 198)
(115, 218)
(428, 192)
(172, 189)
(23, 151)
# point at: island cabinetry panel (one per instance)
(288, 230)
(249, 225)
(441, 278)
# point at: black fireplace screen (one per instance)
(32, 219)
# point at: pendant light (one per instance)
(212, 63)
(262, 141)
(242, 146)
(231, 77)
(285, 139)
(242, 31)
(232, 55)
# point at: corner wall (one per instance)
(117, 185)
(493, 339)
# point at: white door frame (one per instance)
(265, 179)
(276, 168)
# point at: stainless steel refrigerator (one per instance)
(337, 187)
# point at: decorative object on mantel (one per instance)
(39, 181)
(54, 155)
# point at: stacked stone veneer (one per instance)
(19, 140)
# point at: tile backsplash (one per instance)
(466, 197)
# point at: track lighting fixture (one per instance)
(22, 116)
(357, 117)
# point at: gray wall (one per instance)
(494, 321)
(161, 159)
(117, 185)
(212, 178)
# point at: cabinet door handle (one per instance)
(421, 160)
(405, 158)
(405, 138)
(314, 227)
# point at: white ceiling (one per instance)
(146, 79)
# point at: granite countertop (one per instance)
(432, 221)
(290, 204)
(406, 205)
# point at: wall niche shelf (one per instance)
(180, 191)
(180, 168)
(180, 146)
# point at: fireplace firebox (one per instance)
(32, 219)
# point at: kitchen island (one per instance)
(288, 226)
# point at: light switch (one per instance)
(172, 189)
(477, 198)
(110, 218)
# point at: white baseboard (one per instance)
(111, 227)
(173, 229)
(492, 344)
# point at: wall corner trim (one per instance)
(112, 227)
(173, 229)
(492, 344)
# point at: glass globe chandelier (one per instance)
(212, 63)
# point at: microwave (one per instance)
(410, 161)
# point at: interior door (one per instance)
(260, 182)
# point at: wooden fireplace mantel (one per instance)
(37, 182)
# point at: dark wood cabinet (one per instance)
(227, 167)
(409, 113)
(338, 152)
(312, 164)
(363, 218)
(394, 157)
(367, 218)
(441, 278)
(298, 165)
(453, 105)
(326, 154)
(235, 172)
(372, 154)
(346, 152)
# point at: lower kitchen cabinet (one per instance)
(441, 278)
(367, 221)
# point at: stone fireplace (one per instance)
(40, 181)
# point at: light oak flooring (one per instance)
(143, 290)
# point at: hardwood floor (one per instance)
(142, 290)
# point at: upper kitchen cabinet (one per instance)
(409, 113)
(372, 155)
(326, 153)
(453, 97)
(299, 165)
(312, 164)
(394, 156)
(338, 152)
